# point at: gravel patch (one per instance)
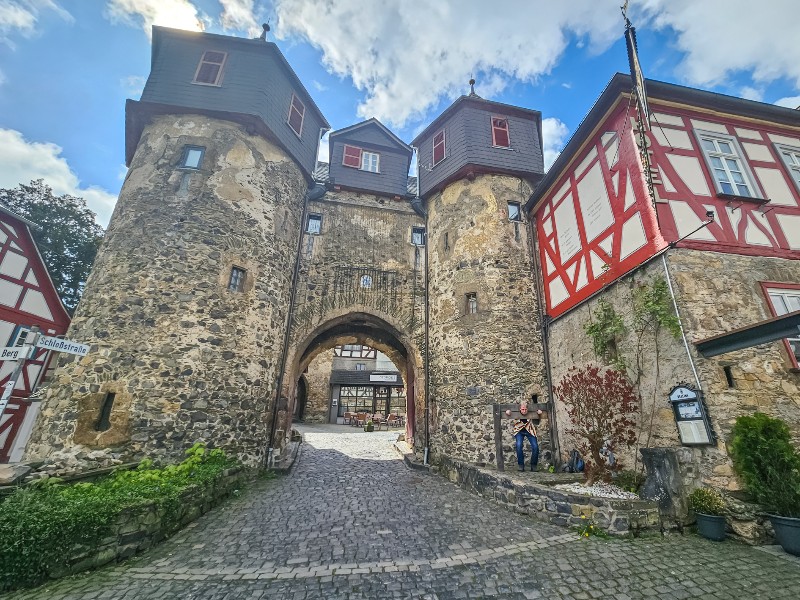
(598, 490)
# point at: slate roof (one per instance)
(321, 176)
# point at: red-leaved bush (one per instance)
(602, 405)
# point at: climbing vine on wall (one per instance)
(605, 330)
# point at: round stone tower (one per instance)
(478, 163)
(187, 301)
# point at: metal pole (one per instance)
(27, 349)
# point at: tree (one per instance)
(68, 238)
(602, 407)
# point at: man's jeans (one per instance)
(520, 439)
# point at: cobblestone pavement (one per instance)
(351, 521)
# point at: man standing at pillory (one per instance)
(524, 428)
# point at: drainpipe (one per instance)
(427, 336)
(314, 193)
(545, 333)
(680, 323)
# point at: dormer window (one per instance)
(438, 148)
(209, 71)
(500, 138)
(297, 112)
(364, 160)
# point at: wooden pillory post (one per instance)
(499, 411)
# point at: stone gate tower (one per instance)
(187, 302)
(478, 163)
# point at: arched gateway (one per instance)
(233, 258)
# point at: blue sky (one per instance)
(67, 66)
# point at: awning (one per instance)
(762, 332)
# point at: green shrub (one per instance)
(41, 523)
(768, 464)
(630, 481)
(706, 501)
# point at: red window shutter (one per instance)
(438, 148)
(500, 133)
(352, 157)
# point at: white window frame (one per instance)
(518, 218)
(421, 232)
(302, 113)
(737, 155)
(313, 217)
(218, 81)
(793, 168)
(779, 311)
(370, 160)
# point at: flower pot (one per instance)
(369, 428)
(711, 526)
(787, 530)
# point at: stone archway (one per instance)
(368, 327)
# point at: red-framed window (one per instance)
(439, 149)
(500, 133)
(297, 112)
(784, 298)
(209, 71)
(352, 157)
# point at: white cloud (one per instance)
(21, 17)
(2, 78)
(790, 102)
(180, 14)
(240, 15)
(554, 134)
(723, 37)
(133, 84)
(22, 162)
(752, 93)
(407, 55)
(322, 155)
(320, 87)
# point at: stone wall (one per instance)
(318, 389)
(187, 359)
(362, 235)
(494, 355)
(716, 293)
(543, 502)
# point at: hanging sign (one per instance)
(389, 377)
(691, 418)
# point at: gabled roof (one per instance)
(20, 218)
(321, 176)
(482, 103)
(370, 123)
(620, 84)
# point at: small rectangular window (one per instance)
(472, 303)
(418, 236)
(192, 157)
(236, 283)
(439, 149)
(361, 366)
(514, 213)
(791, 159)
(209, 71)
(500, 133)
(314, 224)
(352, 157)
(785, 301)
(104, 420)
(726, 165)
(297, 112)
(370, 161)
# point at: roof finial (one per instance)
(472, 86)
(263, 36)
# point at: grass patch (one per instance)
(42, 523)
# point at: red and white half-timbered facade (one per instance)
(596, 221)
(27, 297)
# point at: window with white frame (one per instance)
(785, 301)
(370, 161)
(314, 224)
(500, 137)
(297, 112)
(418, 236)
(726, 165)
(209, 71)
(514, 212)
(439, 149)
(791, 158)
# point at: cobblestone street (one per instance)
(352, 521)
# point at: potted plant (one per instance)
(708, 507)
(369, 426)
(769, 465)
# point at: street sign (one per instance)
(60, 345)
(14, 352)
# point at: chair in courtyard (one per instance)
(347, 418)
(393, 420)
(378, 420)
